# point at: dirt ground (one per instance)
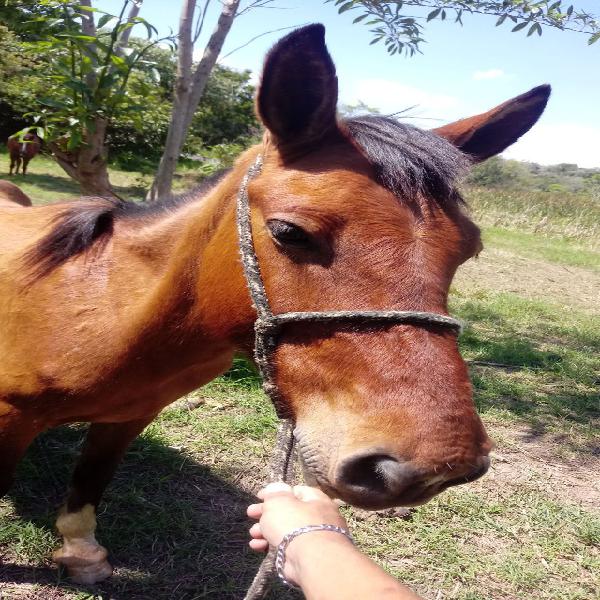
(503, 271)
(521, 459)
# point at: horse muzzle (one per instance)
(376, 480)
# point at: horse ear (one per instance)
(297, 96)
(485, 135)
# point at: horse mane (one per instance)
(91, 220)
(408, 161)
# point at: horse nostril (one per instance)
(375, 473)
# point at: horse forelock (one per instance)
(409, 161)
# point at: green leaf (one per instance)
(360, 18)
(520, 26)
(53, 103)
(345, 7)
(117, 60)
(570, 11)
(104, 19)
(501, 20)
(433, 14)
(594, 38)
(74, 140)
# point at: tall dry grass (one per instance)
(567, 215)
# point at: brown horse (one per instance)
(22, 149)
(10, 195)
(110, 312)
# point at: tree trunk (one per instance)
(87, 164)
(163, 181)
(189, 93)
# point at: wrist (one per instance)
(306, 551)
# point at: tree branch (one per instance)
(259, 36)
(210, 55)
(133, 13)
(200, 22)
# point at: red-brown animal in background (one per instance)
(109, 312)
(10, 195)
(22, 150)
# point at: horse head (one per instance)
(363, 214)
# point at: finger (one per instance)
(277, 487)
(259, 545)
(306, 493)
(254, 511)
(256, 531)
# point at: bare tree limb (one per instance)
(133, 13)
(259, 36)
(210, 55)
(200, 22)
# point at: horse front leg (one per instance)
(25, 163)
(82, 556)
(13, 162)
(18, 165)
(16, 433)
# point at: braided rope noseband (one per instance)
(267, 328)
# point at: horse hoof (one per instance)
(85, 563)
(90, 574)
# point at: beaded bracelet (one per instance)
(285, 542)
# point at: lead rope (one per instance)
(281, 469)
(282, 459)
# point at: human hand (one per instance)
(285, 508)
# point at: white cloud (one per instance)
(552, 143)
(391, 97)
(489, 74)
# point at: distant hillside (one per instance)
(515, 175)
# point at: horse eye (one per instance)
(288, 234)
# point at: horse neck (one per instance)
(197, 287)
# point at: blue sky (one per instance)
(462, 71)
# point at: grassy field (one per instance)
(47, 182)
(173, 518)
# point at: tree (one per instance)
(89, 69)
(402, 32)
(190, 83)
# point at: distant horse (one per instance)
(22, 149)
(10, 195)
(109, 312)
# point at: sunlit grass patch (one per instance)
(532, 360)
(497, 544)
(534, 245)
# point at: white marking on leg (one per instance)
(23, 148)
(81, 554)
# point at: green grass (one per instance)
(549, 362)
(46, 182)
(515, 544)
(534, 245)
